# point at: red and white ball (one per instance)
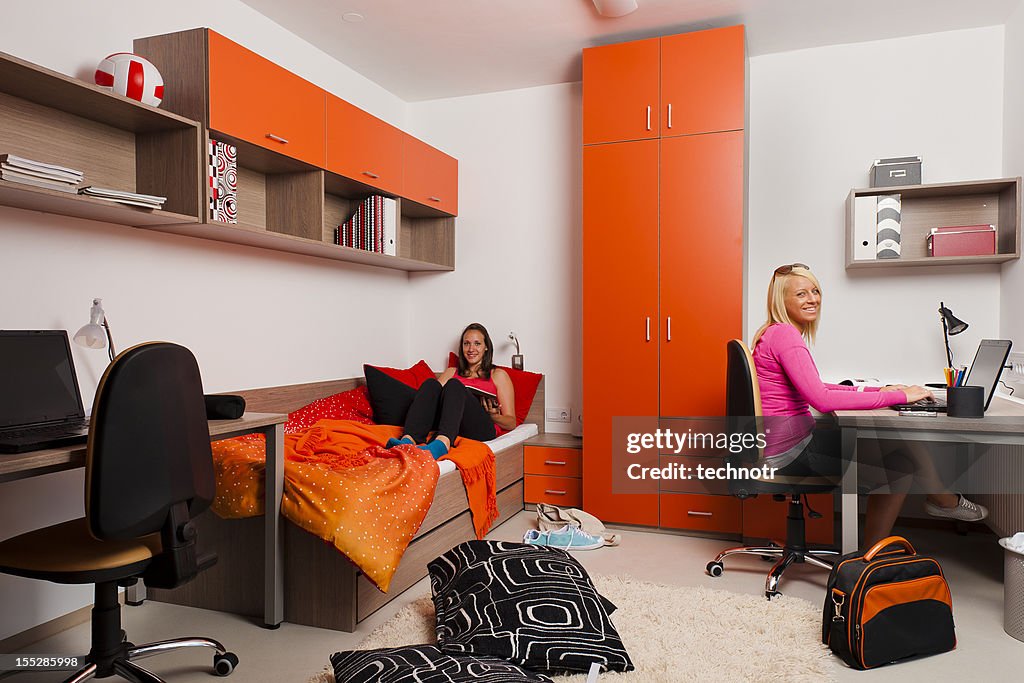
(132, 76)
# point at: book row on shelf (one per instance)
(34, 173)
(373, 226)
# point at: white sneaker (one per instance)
(965, 510)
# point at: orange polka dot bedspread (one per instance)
(342, 485)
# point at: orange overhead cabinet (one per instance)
(661, 87)
(255, 100)
(362, 147)
(430, 177)
(662, 271)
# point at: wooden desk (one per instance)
(1003, 424)
(32, 464)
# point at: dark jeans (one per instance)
(450, 410)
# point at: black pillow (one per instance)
(389, 397)
(424, 664)
(532, 605)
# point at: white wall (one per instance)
(517, 251)
(252, 317)
(818, 119)
(1010, 316)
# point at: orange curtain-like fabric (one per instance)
(342, 485)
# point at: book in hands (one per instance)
(482, 393)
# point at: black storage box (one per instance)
(896, 171)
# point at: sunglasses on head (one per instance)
(786, 270)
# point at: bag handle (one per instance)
(891, 540)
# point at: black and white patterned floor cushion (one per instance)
(531, 605)
(425, 664)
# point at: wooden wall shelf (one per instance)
(923, 207)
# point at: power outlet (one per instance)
(559, 414)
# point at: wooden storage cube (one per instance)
(426, 236)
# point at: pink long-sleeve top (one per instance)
(790, 384)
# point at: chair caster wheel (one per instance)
(224, 664)
(771, 594)
(715, 568)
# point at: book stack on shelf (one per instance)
(372, 227)
(147, 201)
(17, 169)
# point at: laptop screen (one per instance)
(988, 366)
(37, 377)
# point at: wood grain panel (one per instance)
(429, 239)
(181, 60)
(337, 210)
(169, 164)
(426, 548)
(319, 582)
(295, 204)
(252, 197)
(287, 398)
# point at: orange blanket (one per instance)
(342, 485)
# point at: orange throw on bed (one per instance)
(342, 485)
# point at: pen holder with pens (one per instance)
(965, 401)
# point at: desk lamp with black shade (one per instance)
(96, 333)
(951, 325)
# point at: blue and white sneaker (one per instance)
(566, 538)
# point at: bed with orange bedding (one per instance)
(337, 559)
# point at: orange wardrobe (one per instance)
(663, 218)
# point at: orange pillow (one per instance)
(524, 384)
(414, 376)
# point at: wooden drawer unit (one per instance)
(362, 147)
(723, 514)
(253, 99)
(429, 176)
(565, 492)
(555, 462)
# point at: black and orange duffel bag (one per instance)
(886, 605)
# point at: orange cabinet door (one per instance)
(362, 147)
(253, 99)
(702, 82)
(620, 314)
(701, 269)
(620, 92)
(765, 518)
(429, 176)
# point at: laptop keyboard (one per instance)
(46, 430)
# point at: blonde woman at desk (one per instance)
(790, 385)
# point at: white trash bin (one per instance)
(1013, 591)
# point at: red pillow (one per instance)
(353, 404)
(524, 384)
(414, 376)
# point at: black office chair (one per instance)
(148, 471)
(743, 408)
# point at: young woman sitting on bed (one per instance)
(448, 408)
(790, 385)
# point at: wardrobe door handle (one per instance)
(648, 117)
(434, 199)
(277, 138)
(668, 327)
(371, 174)
(669, 114)
(648, 328)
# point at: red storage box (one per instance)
(962, 240)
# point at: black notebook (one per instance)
(41, 404)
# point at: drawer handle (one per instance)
(371, 174)
(553, 492)
(277, 138)
(434, 199)
(695, 513)
(554, 462)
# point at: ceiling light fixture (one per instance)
(614, 8)
(352, 17)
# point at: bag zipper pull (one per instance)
(838, 604)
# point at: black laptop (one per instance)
(985, 372)
(40, 402)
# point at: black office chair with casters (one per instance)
(743, 408)
(148, 471)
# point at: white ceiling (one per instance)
(427, 49)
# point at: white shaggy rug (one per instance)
(677, 633)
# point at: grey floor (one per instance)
(972, 563)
